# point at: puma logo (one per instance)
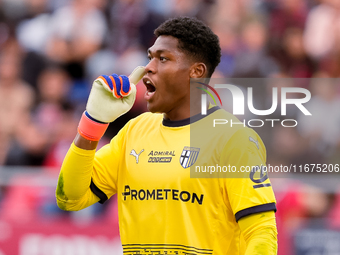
(254, 141)
(134, 153)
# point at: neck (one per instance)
(190, 109)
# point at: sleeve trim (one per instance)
(98, 192)
(255, 209)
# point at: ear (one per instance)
(198, 70)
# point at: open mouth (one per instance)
(150, 88)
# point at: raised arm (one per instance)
(110, 97)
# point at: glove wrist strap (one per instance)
(90, 129)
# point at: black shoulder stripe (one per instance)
(255, 209)
(98, 192)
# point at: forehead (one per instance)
(165, 43)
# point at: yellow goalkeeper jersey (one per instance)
(165, 207)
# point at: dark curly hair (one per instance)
(194, 38)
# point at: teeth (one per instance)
(148, 82)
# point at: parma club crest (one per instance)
(189, 156)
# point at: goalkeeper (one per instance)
(160, 207)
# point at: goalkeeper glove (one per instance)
(110, 97)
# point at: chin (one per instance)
(153, 108)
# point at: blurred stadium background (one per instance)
(52, 50)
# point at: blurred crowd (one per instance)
(52, 50)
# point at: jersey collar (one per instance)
(184, 122)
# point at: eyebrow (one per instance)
(158, 51)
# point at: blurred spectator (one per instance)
(126, 18)
(334, 213)
(292, 56)
(228, 42)
(229, 12)
(162, 8)
(322, 130)
(54, 86)
(32, 142)
(330, 65)
(13, 10)
(102, 62)
(55, 5)
(64, 131)
(285, 15)
(130, 59)
(4, 28)
(34, 31)
(16, 97)
(287, 146)
(36, 6)
(252, 60)
(28, 148)
(147, 27)
(321, 36)
(77, 31)
(201, 9)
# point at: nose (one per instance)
(151, 66)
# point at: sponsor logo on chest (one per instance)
(160, 156)
(161, 194)
(187, 158)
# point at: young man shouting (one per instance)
(161, 208)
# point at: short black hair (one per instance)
(194, 38)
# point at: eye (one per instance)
(149, 57)
(163, 59)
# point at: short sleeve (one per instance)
(248, 190)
